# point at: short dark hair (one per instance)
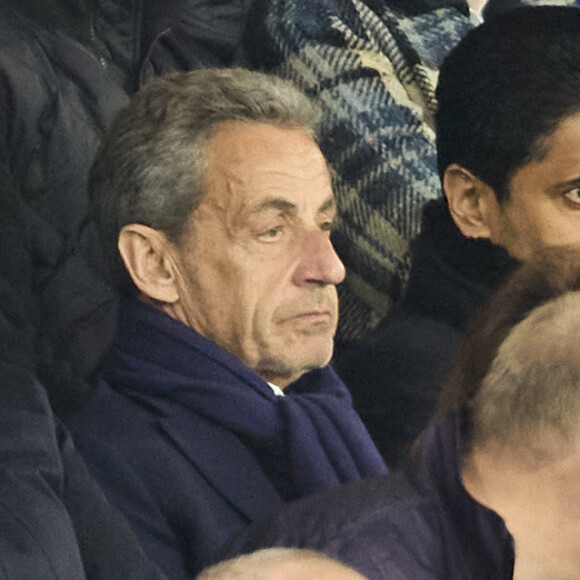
(150, 166)
(504, 88)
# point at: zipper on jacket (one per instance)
(94, 43)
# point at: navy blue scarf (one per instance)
(314, 427)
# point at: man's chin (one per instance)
(297, 360)
(313, 356)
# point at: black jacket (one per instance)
(65, 69)
(396, 374)
(54, 520)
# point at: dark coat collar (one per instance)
(452, 275)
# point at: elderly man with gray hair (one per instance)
(215, 209)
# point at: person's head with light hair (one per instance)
(531, 394)
(518, 383)
(281, 564)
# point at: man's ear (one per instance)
(472, 203)
(146, 254)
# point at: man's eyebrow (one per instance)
(565, 185)
(285, 206)
(277, 203)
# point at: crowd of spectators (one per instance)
(175, 308)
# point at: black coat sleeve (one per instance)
(54, 520)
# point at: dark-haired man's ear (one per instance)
(146, 254)
(472, 203)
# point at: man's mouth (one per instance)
(311, 316)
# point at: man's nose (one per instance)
(319, 262)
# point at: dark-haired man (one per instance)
(493, 491)
(508, 140)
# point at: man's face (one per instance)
(543, 208)
(257, 270)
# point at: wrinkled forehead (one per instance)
(236, 142)
(252, 163)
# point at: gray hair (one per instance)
(150, 166)
(531, 394)
(259, 565)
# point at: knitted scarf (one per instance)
(313, 427)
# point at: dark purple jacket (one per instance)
(416, 525)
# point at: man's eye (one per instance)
(573, 195)
(271, 234)
(328, 226)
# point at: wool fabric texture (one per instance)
(315, 424)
